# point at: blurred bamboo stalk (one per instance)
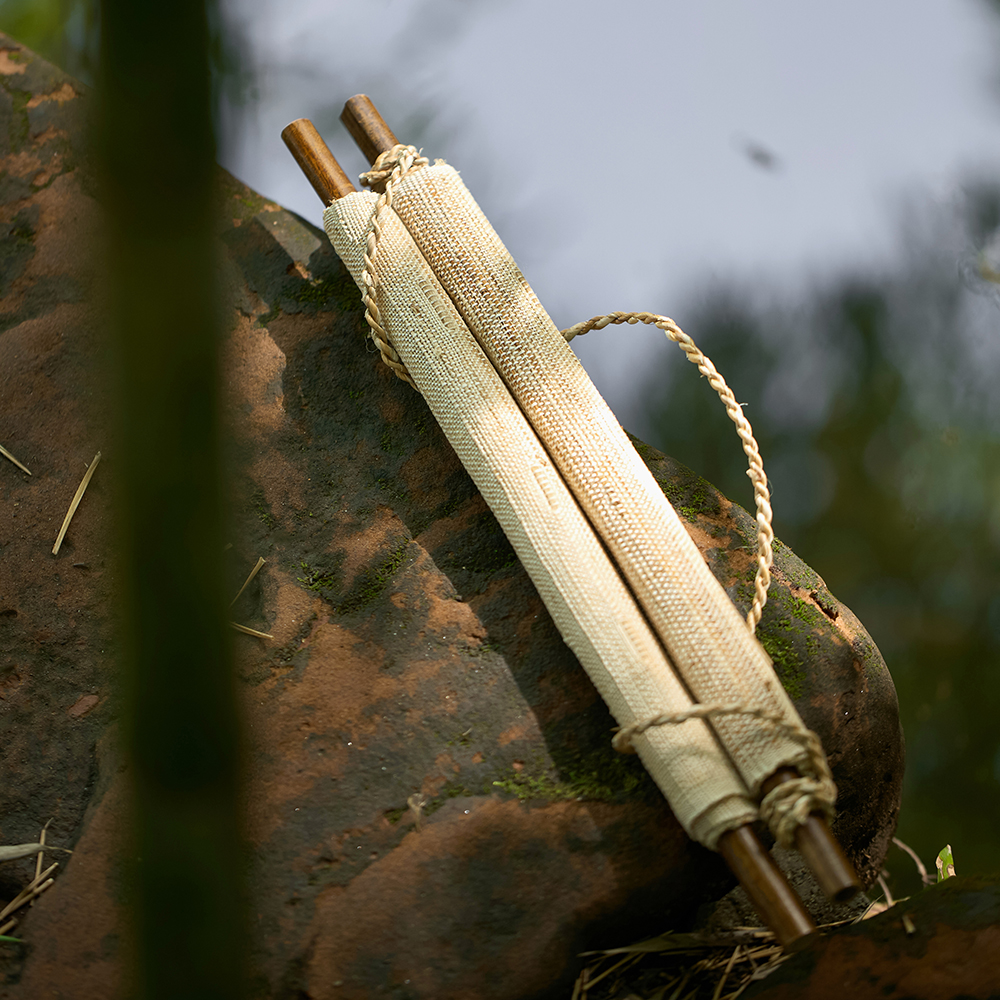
(156, 153)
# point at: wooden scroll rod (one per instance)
(317, 162)
(768, 889)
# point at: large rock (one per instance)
(434, 809)
(938, 945)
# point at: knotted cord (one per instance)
(788, 804)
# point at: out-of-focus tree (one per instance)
(63, 31)
(874, 398)
(67, 33)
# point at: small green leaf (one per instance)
(945, 863)
(3, 937)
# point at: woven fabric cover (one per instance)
(705, 636)
(580, 586)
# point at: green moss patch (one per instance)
(790, 633)
(325, 294)
(372, 582)
(452, 790)
(600, 775)
(786, 660)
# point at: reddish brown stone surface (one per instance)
(948, 950)
(411, 661)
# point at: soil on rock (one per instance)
(938, 945)
(433, 805)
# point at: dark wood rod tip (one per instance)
(773, 898)
(367, 127)
(317, 162)
(815, 841)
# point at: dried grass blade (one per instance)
(607, 972)
(683, 983)
(725, 975)
(921, 868)
(251, 631)
(80, 490)
(664, 942)
(246, 583)
(12, 852)
(662, 991)
(889, 901)
(7, 454)
(41, 854)
(9, 926)
(765, 970)
(30, 891)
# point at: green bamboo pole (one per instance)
(156, 156)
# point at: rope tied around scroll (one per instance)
(387, 171)
(787, 806)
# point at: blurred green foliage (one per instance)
(63, 31)
(875, 401)
(67, 33)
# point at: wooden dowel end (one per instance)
(367, 127)
(821, 852)
(819, 849)
(317, 162)
(772, 897)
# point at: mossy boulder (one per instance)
(433, 808)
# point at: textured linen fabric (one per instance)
(579, 584)
(704, 635)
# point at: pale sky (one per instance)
(612, 151)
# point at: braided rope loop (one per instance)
(755, 470)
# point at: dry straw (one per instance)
(77, 497)
(701, 965)
(38, 885)
(7, 454)
(251, 631)
(246, 583)
(681, 967)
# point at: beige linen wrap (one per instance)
(582, 590)
(703, 633)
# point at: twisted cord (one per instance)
(387, 171)
(755, 470)
(787, 806)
